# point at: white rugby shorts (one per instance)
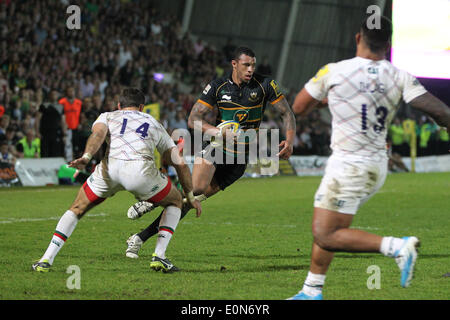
(349, 182)
(140, 177)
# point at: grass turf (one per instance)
(252, 242)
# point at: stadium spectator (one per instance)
(179, 122)
(29, 146)
(265, 68)
(3, 87)
(35, 60)
(4, 123)
(305, 141)
(11, 139)
(86, 86)
(443, 141)
(398, 138)
(52, 127)
(5, 154)
(72, 109)
(228, 49)
(426, 129)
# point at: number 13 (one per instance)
(381, 113)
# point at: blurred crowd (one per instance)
(54, 82)
(430, 138)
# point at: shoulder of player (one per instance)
(151, 119)
(262, 79)
(217, 82)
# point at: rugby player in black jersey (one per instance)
(241, 96)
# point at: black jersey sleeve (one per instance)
(274, 93)
(208, 96)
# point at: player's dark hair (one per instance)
(376, 38)
(242, 50)
(131, 97)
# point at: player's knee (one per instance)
(322, 237)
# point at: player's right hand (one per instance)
(79, 163)
(197, 206)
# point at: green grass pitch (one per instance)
(252, 242)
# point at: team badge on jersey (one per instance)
(240, 116)
(323, 71)
(207, 89)
(275, 87)
(253, 96)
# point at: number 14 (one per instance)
(142, 129)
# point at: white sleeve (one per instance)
(101, 119)
(165, 141)
(412, 88)
(318, 86)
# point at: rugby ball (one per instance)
(226, 125)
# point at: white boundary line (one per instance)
(15, 220)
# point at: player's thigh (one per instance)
(173, 198)
(212, 189)
(202, 174)
(380, 179)
(346, 184)
(100, 184)
(142, 179)
(227, 174)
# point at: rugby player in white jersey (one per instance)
(132, 137)
(363, 96)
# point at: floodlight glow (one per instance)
(421, 37)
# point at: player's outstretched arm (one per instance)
(289, 126)
(304, 103)
(94, 143)
(433, 107)
(173, 157)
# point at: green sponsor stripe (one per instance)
(166, 228)
(61, 234)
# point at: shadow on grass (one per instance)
(257, 257)
(258, 269)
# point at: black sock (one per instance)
(153, 228)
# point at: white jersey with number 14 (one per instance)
(134, 135)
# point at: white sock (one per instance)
(390, 245)
(167, 226)
(313, 284)
(64, 229)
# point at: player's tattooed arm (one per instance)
(196, 118)
(288, 118)
(289, 126)
(433, 107)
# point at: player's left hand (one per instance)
(79, 163)
(286, 151)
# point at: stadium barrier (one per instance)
(38, 172)
(44, 171)
(309, 165)
(429, 163)
(315, 165)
